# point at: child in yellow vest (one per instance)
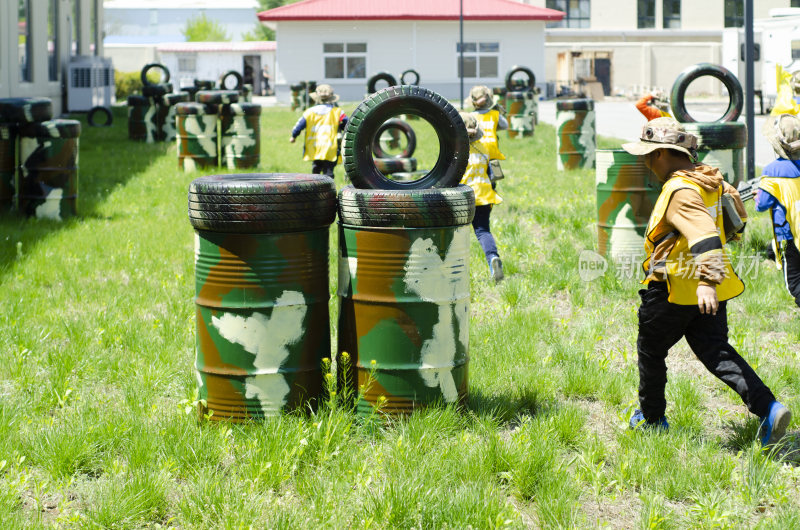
(779, 192)
(477, 177)
(490, 119)
(322, 122)
(689, 280)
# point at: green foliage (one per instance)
(128, 83)
(259, 32)
(203, 29)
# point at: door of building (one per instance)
(252, 73)
(602, 72)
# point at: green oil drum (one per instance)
(722, 145)
(729, 161)
(217, 97)
(404, 298)
(197, 136)
(47, 181)
(25, 110)
(626, 194)
(261, 294)
(240, 135)
(8, 157)
(575, 135)
(142, 119)
(521, 109)
(166, 116)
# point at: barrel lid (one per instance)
(57, 128)
(240, 109)
(194, 108)
(575, 104)
(217, 96)
(26, 110)
(137, 100)
(157, 90)
(174, 99)
(204, 84)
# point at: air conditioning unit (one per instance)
(90, 83)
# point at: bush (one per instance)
(128, 83)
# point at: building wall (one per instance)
(11, 84)
(131, 57)
(212, 65)
(429, 47)
(168, 24)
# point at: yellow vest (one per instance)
(321, 132)
(680, 266)
(787, 191)
(488, 122)
(476, 176)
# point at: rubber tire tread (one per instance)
(258, 207)
(409, 71)
(412, 208)
(516, 69)
(273, 199)
(263, 184)
(146, 68)
(405, 99)
(685, 78)
(718, 135)
(236, 75)
(103, 110)
(396, 165)
(575, 104)
(380, 76)
(404, 127)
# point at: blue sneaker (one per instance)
(496, 269)
(773, 425)
(638, 421)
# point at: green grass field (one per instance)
(97, 416)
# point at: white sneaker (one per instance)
(496, 269)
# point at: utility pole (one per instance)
(461, 47)
(749, 49)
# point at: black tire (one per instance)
(409, 71)
(26, 110)
(150, 66)
(398, 125)
(236, 75)
(217, 97)
(414, 208)
(90, 117)
(575, 104)
(58, 128)
(685, 78)
(380, 76)
(360, 130)
(387, 166)
(515, 70)
(204, 84)
(719, 135)
(157, 90)
(261, 202)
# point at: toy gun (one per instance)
(747, 189)
(731, 220)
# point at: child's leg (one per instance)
(791, 270)
(661, 325)
(707, 335)
(480, 223)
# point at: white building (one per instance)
(37, 40)
(345, 42)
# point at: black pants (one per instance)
(480, 223)
(791, 270)
(324, 167)
(662, 324)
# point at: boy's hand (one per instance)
(707, 299)
(292, 139)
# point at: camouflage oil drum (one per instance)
(404, 296)
(262, 291)
(240, 135)
(626, 194)
(25, 110)
(142, 119)
(521, 111)
(575, 135)
(297, 95)
(247, 93)
(8, 157)
(167, 116)
(721, 144)
(217, 97)
(204, 84)
(197, 136)
(47, 181)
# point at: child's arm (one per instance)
(298, 128)
(687, 213)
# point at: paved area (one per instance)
(620, 119)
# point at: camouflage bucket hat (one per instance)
(474, 131)
(324, 94)
(481, 96)
(664, 133)
(783, 134)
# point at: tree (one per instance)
(203, 29)
(261, 32)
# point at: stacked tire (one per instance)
(404, 262)
(151, 114)
(388, 137)
(576, 137)
(520, 102)
(262, 290)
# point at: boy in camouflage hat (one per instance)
(689, 280)
(322, 122)
(779, 192)
(490, 118)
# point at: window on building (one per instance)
(672, 14)
(734, 13)
(577, 13)
(481, 59)
(345, 60)
(24, 40)
(795, 3)
(187, 63)
(646, 14)
(52, 41)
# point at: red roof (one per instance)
(407, 10)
